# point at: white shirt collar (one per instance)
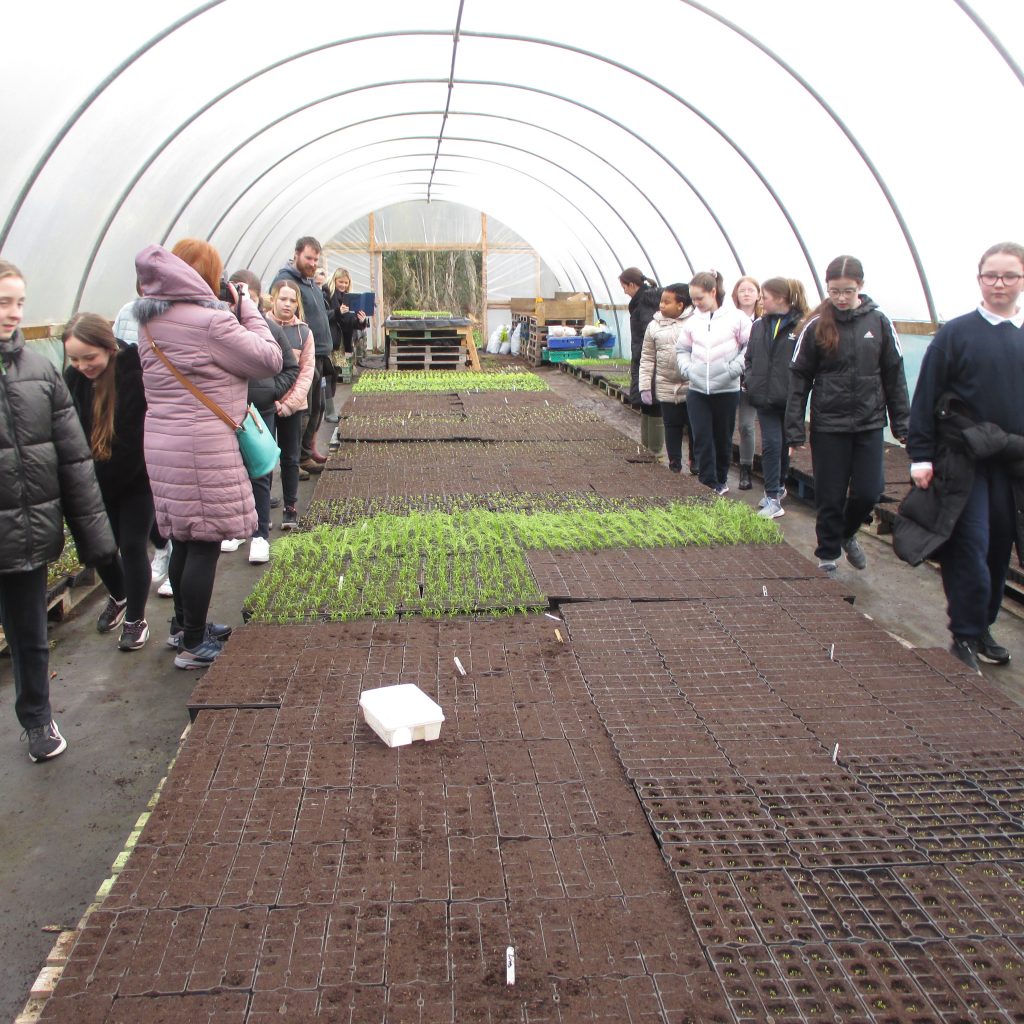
(994, 318)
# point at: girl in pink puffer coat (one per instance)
(201, 490)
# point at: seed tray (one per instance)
(727, 856)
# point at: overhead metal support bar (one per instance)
(842, 126)
(448, 100)
(62, 132)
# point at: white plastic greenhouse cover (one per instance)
(745, 135)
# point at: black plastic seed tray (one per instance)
(997, 890)
(727, 856)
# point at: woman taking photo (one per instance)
(746, 297)
(104, 377)
(659, 373)
(286, 311)
(848, 352)
(709, 354)
(766, 377)
(38, 419)
(201, 490)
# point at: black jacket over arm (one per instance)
(928, 515)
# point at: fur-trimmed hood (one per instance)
(166, 279)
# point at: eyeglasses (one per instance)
(842, 293)
(1008, 279)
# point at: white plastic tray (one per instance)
(401, 714)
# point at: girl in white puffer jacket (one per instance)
(710, 354)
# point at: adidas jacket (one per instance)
(854, 388)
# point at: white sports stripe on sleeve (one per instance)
(796, 347)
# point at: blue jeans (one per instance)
(975, 559)
(774, 451)
(712, 421)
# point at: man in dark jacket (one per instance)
(46, 476)
(978, 359)
(302, 271)
(263, 393)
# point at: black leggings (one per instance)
(128, 576)
(192, 570)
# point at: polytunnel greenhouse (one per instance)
(360, 344)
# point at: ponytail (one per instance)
(635, 276)
(710, 281)
(790, 291)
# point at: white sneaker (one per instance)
(161, 561)
(166, 590)
(772, 510)
(232, 545)
(259, 550)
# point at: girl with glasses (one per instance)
(966, 443)
(848, 353)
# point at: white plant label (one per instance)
(764, 590)
(550, 616)
(835, 754)
(458, 665)
(831, 652)
(510, 965)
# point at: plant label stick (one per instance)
(558, 636)
(458, 665)
(835, 754)
(510, 965)
(831, 652)
(550, 616)
(764, 590)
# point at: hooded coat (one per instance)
(659, 371)
(46, 469)
(201, 490)
(855, 387)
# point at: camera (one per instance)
(225, 291)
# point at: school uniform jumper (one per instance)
(979, 357)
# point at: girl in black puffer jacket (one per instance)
(766, 376)
(46, 475)
(105, 381)
(644, 301)
(849, 353)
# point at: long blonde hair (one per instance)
(275, 290)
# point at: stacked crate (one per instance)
(426, 344)
(566, 312)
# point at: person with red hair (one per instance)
(201, 491)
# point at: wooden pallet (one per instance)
(62, 597)
(430, 348)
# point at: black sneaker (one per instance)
(275, 502)
(45, 742)
(855, 553)
(112, 615)
(745, 482)
(990, 651)
(133, 635)
(965, 649)
(219, 631)
(289, 518)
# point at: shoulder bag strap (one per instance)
(182, 379)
